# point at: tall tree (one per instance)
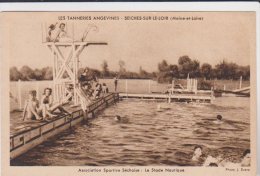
(38, 74)
(185, 66)
(122, 66)
(163, 66)
(47, 73)
(206, 70)
(27, 73)
(174, 71)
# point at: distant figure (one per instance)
(31, 108)
(104, 88)
(162, 108)
(117, 118)
(115, 82)
(219, 120)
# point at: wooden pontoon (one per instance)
(34, 133)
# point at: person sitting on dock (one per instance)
(87, 89)
(31, 108)
(98, 90)
(87, 77)
(48, 106)
(104, 88)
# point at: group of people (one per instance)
(43, 109)
(61, 35)
(210, 161)
(90, 85)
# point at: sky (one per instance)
(220, 35)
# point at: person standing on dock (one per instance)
(115, 82)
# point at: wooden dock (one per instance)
(36, 132)
(205, 98)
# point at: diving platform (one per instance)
(25, 135)
(202, 98)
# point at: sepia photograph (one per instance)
(134, 92)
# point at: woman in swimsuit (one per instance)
(48, 106)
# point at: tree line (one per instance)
(166, 72)
(187, 67)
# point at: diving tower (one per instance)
(65, 59)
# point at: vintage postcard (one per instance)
(129, 92)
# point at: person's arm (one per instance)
(25, 109)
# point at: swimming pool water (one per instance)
(150, 136)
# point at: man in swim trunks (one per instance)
(31, 109)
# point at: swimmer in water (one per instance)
(219, 120)
(121, 119)
(246, 160)
(162, 108)
(213, 165)
(211, 161)
(197, 153)
(117, 118)
(198, 157)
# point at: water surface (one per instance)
(148, 136)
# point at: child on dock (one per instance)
(31, 108)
